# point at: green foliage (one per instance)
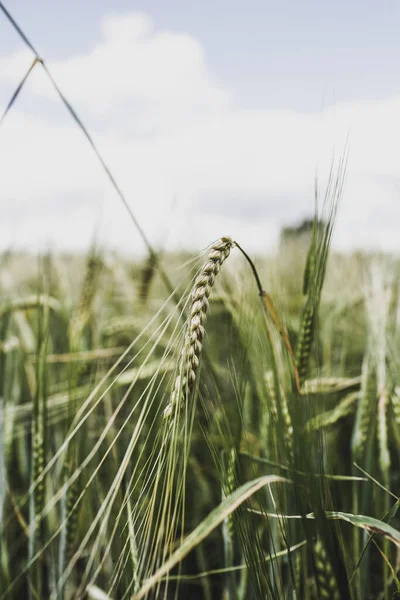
(252, 488)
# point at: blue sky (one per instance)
(298, 55)
(282, 82)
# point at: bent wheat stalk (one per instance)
(190, 356)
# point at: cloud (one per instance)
(151, 76)
(193, 163)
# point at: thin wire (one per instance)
(84, 130)
(17, 91)
(163, 275)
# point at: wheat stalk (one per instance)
(190, 356)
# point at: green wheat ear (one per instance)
(365, 407)
(325, 579)
(78, 325)
(331, 417)
(147, 276)
(279, 408)
(395, 403)
(305, 339)
(229, 485)
(38, 455)
(310, 261)
(315, 269)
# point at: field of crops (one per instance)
(147, 451)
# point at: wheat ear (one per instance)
(190, 356)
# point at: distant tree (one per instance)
(297, 233)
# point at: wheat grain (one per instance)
(193, 346)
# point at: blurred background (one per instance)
(214, 118)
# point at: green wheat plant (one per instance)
(233, 434)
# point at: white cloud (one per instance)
(149, 74)
(192, 163)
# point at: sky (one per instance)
(214, 117)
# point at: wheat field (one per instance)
(209, 425)
(201, 426)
